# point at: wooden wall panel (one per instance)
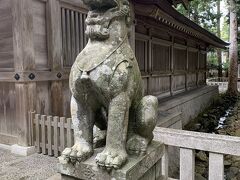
(192, 78)
(160, 58)
(201, 78)
(43, 96)
(40, 34)
(192, 61)
(202, 60)
(8, 124)
(159, 85)
(140, 51)
(6, 36)
(180, 59)
(145, 85)
(66, 98)
(179, 82)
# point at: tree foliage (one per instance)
(201, 12)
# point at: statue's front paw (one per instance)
(111, 158)
(79, 152)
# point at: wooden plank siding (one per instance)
(40, 35)
(6, 36)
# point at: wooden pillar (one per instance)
(172, 67)
(186, 72)
(197, 78)
(55, 53)
(205, 69)
(23, 62)
(149, 63)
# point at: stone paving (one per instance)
(34, 167)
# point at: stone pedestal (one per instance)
(147, 167)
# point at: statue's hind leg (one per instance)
(142, 134)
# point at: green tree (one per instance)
(201, 12)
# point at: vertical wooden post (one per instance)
(216, 166)
(37, 118)
(55, 53)
(187, 164)
(172, 67)
(186, 72)
(62, 133)
(205, 69)
(49, 134)
(149, 61)
(23, 62)
(43, 133)
(55, 135)
(197, 78)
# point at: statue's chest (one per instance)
(96, 82)
(101, 76)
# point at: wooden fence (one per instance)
(50, 134)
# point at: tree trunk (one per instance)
(233, 50)
(219, 52)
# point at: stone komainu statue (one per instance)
(107, 90)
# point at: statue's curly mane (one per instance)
(100, 16)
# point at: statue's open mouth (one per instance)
(100, 4)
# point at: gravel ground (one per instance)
(34, 167)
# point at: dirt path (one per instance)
(34, 167)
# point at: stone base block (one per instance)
(145, 167)
(22, 151)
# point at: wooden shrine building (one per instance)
(39, 40)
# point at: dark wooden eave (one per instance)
(168, 15)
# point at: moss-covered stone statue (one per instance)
(107, 90)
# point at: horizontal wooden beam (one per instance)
(77, 3)
(180, 46)
(33, 76)
(191, 49)
(161, 42)
(200, 141)
(142, 37)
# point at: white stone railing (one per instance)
(188, 141)
(221, 82)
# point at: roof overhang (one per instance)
(162, 10)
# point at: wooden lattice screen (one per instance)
(192, 61)
(180, 59)
(141, 54)
(73, 35)
(160, 58)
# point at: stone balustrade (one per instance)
(221, 82)
(188, 142)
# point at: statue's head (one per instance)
(100, 4)
(102, 13)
